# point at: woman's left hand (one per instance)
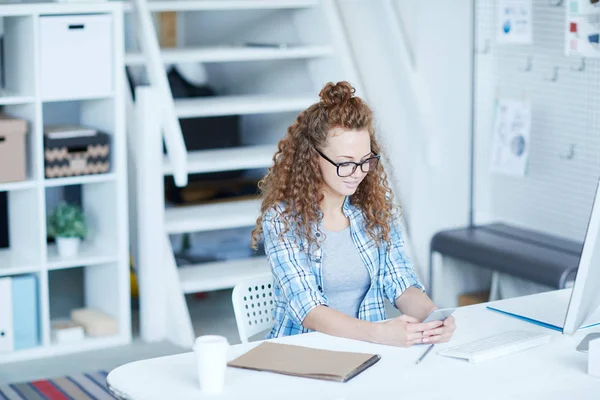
(441, 334)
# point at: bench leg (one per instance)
(448, 278)
(495, 287)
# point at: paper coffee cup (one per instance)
(211, 360)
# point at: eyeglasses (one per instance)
(347, 168)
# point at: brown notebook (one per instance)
(305, 361)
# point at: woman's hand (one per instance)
(404, 331)
(440, 334)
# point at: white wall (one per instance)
(434, 198)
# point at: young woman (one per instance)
(332, 235)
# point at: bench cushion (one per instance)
(530, 255)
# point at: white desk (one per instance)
(553, 371)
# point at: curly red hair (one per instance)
(295, 179)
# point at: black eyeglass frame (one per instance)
(356, 165)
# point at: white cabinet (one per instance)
(76, 56)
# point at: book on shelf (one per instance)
(6, 316)
(19, 315)
(25, 311)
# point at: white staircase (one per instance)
(266, 86)
(240, 105)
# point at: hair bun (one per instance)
(336, 94)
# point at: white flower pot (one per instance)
(68, 246)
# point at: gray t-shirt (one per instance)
(345, 276)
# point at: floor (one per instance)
(211, 313)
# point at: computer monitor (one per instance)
(584, 305)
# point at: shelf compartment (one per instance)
(28, 113)
(72, 55)
(24, 306)
(96, 114)
(25, 240)
(18, 55)
(98, 201)
(90, 286)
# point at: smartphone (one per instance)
(439, 314)
(584, 344)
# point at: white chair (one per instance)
(253, 304)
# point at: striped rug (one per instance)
(86, 386)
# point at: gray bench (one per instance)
(519, 252)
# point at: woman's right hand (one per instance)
(403, 331)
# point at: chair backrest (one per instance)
(253, 305)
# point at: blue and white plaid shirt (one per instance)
(297, 278)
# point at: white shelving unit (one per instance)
(104, 254)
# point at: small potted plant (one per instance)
(67, 225)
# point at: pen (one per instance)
(424, 354)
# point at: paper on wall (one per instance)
(582, 30)
(514, 22)
(510, 144)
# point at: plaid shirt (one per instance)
(298, 281)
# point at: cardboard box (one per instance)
(95, 322)
(12, 149)
(66, 331)
(468, 299)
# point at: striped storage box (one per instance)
(74, 156)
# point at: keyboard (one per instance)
(496, 346)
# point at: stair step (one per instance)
(213, 216)
(231, 54)
(240, 105)
(229, 159)
(206, 5)
(221, 275)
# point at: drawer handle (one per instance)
(77, 149)
(2, 139)
(79, 26)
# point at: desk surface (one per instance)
(553, 371)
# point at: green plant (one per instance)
(67, 220)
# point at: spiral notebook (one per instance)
(305, 361)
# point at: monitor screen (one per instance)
(584, 305)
